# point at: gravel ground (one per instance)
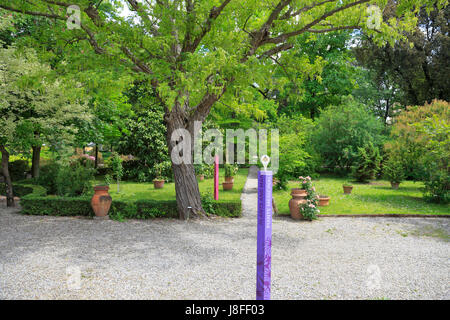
(331, 258)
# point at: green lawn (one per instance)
(146, 191)
(375, 198)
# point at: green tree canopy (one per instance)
(195, 53)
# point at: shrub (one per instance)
(282, 176)
(230, 170)
(161, 169)
(367, 164)
(67, 179)
(421, 139)
(296, 154)
(47, 177)
(74, 180)
(435, 160)
(309, 209)
(409, 144)
(394, 171)
(18, 169)
(208, 203)
(21, 190)
(34, 204)
(56, 206)
(340, 132)
(131, 169)
(203, 169)
(208, 170)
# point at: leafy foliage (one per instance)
(67, 178)
(18, 169)
(367, 164)
(340, 132)
(74, 180)
(230, 170)
(394, 171)
(144, 138)
(415, 71)
(436, 158)
(160, 169)
(309, 209)
(34, 107)
(409, 144)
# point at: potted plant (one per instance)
(230, 172)
(394, 172)
(159, 180)
(323, 200)
(200, 171)
(305, 194)
(308, 210)
(348, 187)
(101, 200)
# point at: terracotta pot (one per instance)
(229, 179)
(201, 177)
(298, 198)
(323, 200)
(347, 189)
(159, 184)
(101, 201)
(227, 185)
(395, 185)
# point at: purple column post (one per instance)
(264, 236)
(216, 178)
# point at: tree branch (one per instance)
(33, 13)
(275, 50)
(213, 14)
(284, 37)
(289, 14)
(144, 16)
(333, 29)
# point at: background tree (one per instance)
(195, 53)
(419, 67)
(341, 130)
(416, 148)
(33, 107)
(144, 136)
(331, 78)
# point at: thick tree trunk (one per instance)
(35, 162)
(8, 182)
(189, 202)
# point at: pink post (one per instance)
(216, 178)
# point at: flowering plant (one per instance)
(230, 170)
(305, 183)
(309, 208)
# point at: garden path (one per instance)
(330, 258)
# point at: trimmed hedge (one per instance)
(56, 206)
(22, 189)
(142, 209)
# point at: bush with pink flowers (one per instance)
(309, 209)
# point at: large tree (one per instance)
(34, 108)
(419, 68)
(196, 52)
